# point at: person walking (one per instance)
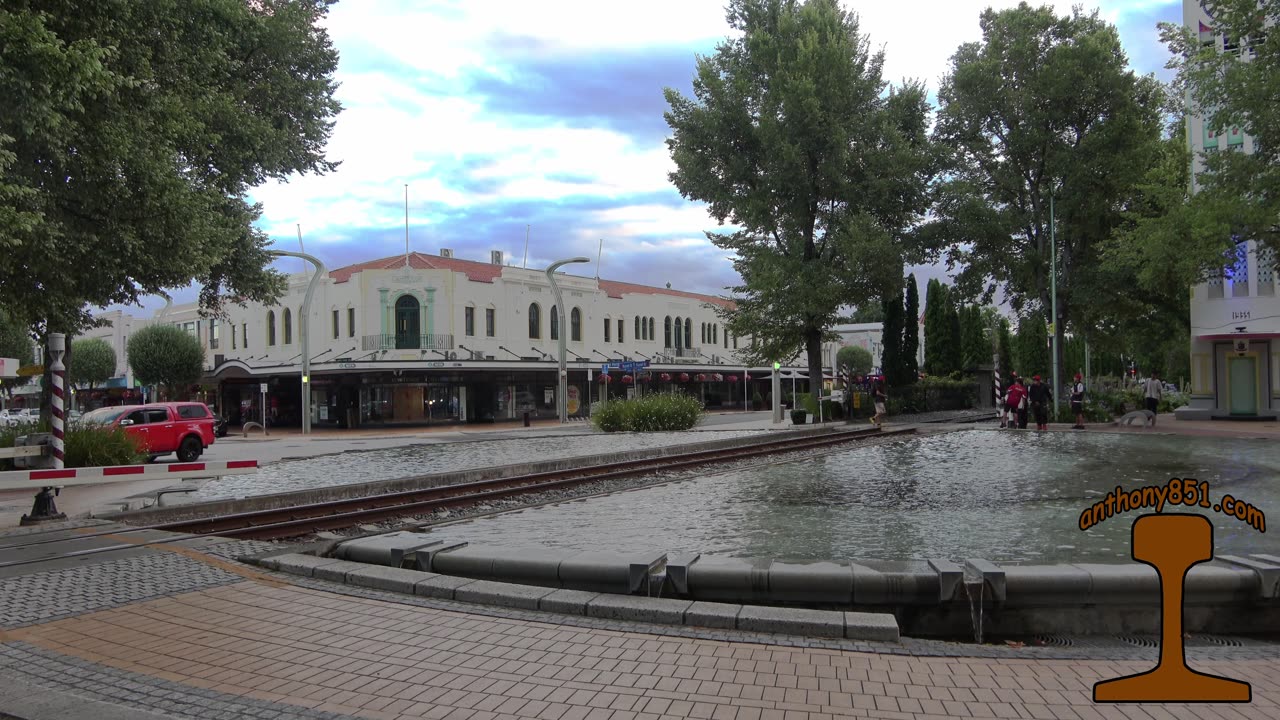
(1041, 396)
(1009, 411)
(881, 399)
(1024, 404)
(1014, 402)
(1077, 402)
(1154, 391)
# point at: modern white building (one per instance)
(422, 339)
(1235, 316)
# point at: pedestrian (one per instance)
(1014, 403)
(881, 399)
(1010, 409)
(1077, 402)
(1040, 396)
(1154, 390)
(1023, 403)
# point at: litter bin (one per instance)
(351, 418)
(526, 418)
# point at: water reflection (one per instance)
(1008, 497)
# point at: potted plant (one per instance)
(799, 417)
(757, 402)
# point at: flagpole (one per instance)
(599, 254)
(406, 226)
(525, 264)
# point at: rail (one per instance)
(407, 342)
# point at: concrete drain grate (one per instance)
(1216, 640)
(1051, 640)
(1139, 641)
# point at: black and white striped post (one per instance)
(999, 387)
(44, 509)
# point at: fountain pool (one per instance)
(1005, 496)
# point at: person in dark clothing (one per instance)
(1014, 402)
(1077, 402)
(1040, 396)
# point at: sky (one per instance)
(511, 119)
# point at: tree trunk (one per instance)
(813, 348)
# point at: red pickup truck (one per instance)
(185, 428)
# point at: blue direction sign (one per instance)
(629, 367)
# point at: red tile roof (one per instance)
(486, 272)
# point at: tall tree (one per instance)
(891, 340)
(975, 347)
(130, 134)
(792, 137)
(94, 364)
(1004, 349)
(911, 333)
(857, 359)
(953, 361)
(934, 342)
(1042, 107)
(1238, 194)
(167, 356)
(1032, 347)
(868, 312)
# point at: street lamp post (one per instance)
(562, 399)
(302, 333)
(1053, 294)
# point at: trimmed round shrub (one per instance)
(83, 446)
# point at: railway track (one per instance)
(302, 520)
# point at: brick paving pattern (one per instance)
(44, 596)
(296, 647)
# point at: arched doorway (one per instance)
(408, 323)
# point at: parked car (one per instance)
(184, 428)
(27, 416)
(7, 420)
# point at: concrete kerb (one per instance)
(342, 492)
(635, 608)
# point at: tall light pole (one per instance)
(562, 399)
(1053, 294)
(302, 333)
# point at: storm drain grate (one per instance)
(1050, 640)
(1139, 641)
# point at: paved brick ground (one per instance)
(301, 648)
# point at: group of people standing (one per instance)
(1019, 398)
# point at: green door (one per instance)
(1243, 372)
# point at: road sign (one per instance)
(262, 387)
(634, 366)
(8, 367)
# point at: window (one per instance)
(490, 322)
(679, 333)
(286, 322)
(636, 332)
(608, 325)
(652, 329)
(735, 342)
(271, 328)
(233, 336)
(335, 324)
(688, 332)
(244, 335)
(726, 339)
(715, 333)
(555, 323)
(702, 329)
(575, 325)
(213, 334)
(351, 322)
(621, 326)
(667, 331)
(191, 412)
(469, 321)
(535, 322)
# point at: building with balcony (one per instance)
(425, 339)
(1235, 316)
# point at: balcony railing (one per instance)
(408, 342)
(682, 352)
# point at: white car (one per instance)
(7, 420)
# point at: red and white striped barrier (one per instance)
(36, 479)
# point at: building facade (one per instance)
(1235, 316)
(435, 339)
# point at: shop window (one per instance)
(575, 325)
(286, 324)
(535, 321)
(555, 323)
(469, 321)
(271, 328)
(490, 322)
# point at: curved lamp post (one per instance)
(302, 332)
(561, 398)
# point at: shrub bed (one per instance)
(933, 394)
(662, 412)
(83, 446)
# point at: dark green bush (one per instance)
(799, 417)
(84, 446)
(661, 412)
(933, 394)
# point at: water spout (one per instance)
(975, 589)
